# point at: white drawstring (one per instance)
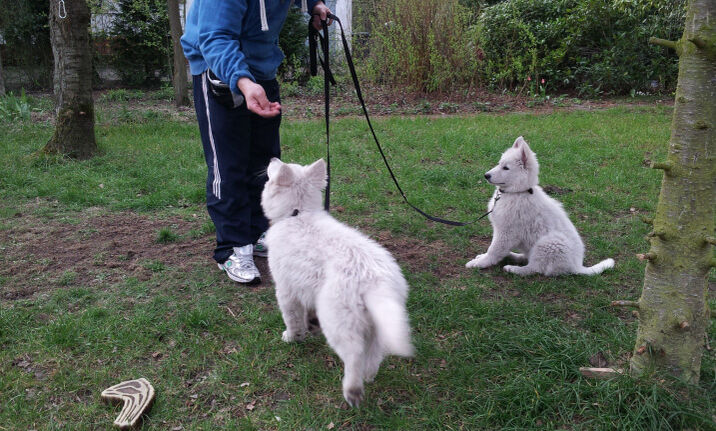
(264, 20)
(262, 12)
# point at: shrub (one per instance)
(140, 42)
(428, 48)
(292, 41)
(593, 46)
(25, 35)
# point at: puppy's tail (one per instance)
(598, 268)
(390, 319)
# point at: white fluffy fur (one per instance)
(318, 264)
(532, 223)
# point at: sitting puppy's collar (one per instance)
(529, 190)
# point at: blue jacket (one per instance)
(226, 36)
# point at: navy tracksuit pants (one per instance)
(238, 146)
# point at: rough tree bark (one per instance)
(2, 81)
(74, 123)
(179, 77)
(673, 311)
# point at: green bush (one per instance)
(292, 41)
(140, 42)
(25, 36)
(592, 46)
(428, 48)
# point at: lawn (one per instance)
(105, 275)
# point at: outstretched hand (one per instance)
(256, 100)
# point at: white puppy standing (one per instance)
(353, 284)
(524, 218)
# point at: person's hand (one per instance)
(320, 13)
(256, 100)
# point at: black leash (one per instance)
(313, 37)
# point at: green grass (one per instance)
(494, 351)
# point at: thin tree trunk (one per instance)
(673, 312)
(2, 80)
(74, 124)
(179, 77)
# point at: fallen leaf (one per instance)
(330, 426)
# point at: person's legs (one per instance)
(226, 137)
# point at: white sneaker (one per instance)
(260, 248)
(240, 266)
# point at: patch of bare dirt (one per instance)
(435, 256)
(41, 254)
(96, 247)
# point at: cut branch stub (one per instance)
(633, 304)
(665, 166)
(659, 234)
(698, 42)
(137, 396)
(650, 256)
(663, 42)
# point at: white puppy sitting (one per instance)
(525, 219)
(318, 264)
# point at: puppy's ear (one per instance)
(273, 167)
(284, 176)
(525, 156)
(316, 174)
(519, 142)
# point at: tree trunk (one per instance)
(2, 81)
(74, 124)
(179, 78)
(673, 312)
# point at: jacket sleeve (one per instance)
(219, 29)
(309, 4)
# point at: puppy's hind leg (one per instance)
(519, 258)
(520, 270)
(344, 332)
(374, 356)
(294, 316)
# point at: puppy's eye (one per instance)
(506, 168)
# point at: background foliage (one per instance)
(140, 41)
(25, 30)
(589, 47)
(428, 48)
(592, 46)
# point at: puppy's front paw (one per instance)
(290, 337)
(478, 262)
